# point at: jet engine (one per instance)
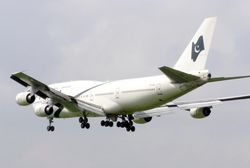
(200, 112)
(142, 120)
(43, 110)
(25, 98)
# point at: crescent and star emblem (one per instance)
(197, 48)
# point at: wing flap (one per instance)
(90, 107)
(157, 112)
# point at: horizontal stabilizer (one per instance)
(226, 78)
(178, 76)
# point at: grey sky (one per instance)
(60, 40)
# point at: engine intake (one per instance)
(43, 110)
(25, 98)
(48, 110)
(200, 112)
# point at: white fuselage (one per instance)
(123, 96)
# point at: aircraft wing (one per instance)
(172, 107)
(45, 91)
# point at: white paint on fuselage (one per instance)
(131, 95)
(123, 96)
(73, 88)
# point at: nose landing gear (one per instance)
(50, 127)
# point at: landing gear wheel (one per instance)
(128, 129)
(132, 128)
(111, 124)
(82, 125)
(87, 125)
(102, 123)
(106, 123)
(81, 120)
(52, 128)
(118, 124)
(122, 124)
(128, 124)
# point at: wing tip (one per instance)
(18, 72)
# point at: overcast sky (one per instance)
(60, 40)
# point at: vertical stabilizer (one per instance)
(195, 55)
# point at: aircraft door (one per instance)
(158, 89)
(117, 93)
(91, 97)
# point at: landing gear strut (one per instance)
(50, 127)
(84, 122)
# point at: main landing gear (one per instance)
(84, 122)
(107, 123)
(126, 123)
(50, 127)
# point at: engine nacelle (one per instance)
(43, 110)
(142, 120)
(25, 98)
(200, 112)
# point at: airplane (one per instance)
(130, 101)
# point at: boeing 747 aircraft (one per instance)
(129, 101)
